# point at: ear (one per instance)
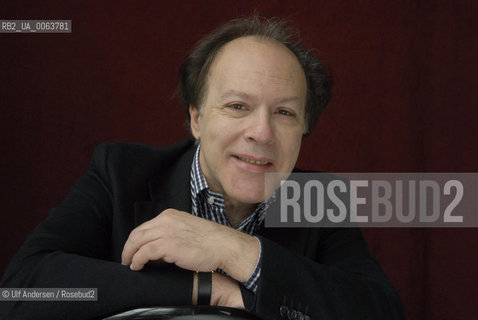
(194, 114)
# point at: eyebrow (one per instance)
(234, 93)
(243, 95)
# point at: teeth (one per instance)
(261, 163)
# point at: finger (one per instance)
(151, 251)
(138, 238)
(147, 232)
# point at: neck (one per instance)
(238, 212)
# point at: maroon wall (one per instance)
(404, 101)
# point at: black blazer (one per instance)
(319, 273)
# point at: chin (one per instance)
(251, 197)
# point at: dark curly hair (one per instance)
(193, 71)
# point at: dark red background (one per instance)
(404, 101)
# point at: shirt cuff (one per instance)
(253, 280)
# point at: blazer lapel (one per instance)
(170, 189)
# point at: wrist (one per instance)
(226, 292)
(242, 258)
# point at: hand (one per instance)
(191, 243)
(225, 292)
(176, 237)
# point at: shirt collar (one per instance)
(198, 181)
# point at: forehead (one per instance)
(257, 66)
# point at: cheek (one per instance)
(290, 147)
(215, 137)
(219, 131)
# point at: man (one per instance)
(142, 221)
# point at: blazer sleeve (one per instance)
(341, 281)
(72, 249)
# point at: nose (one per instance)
(260, 128)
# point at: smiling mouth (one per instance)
(256, 162)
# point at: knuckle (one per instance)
(168, 259)
(152, 248)
(166, 214)
(136, 235)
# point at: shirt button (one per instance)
(283, 311)
(292, 314)
(210, 200)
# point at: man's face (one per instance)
(252, 118)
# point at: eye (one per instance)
(285, 113)
(237, 106)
